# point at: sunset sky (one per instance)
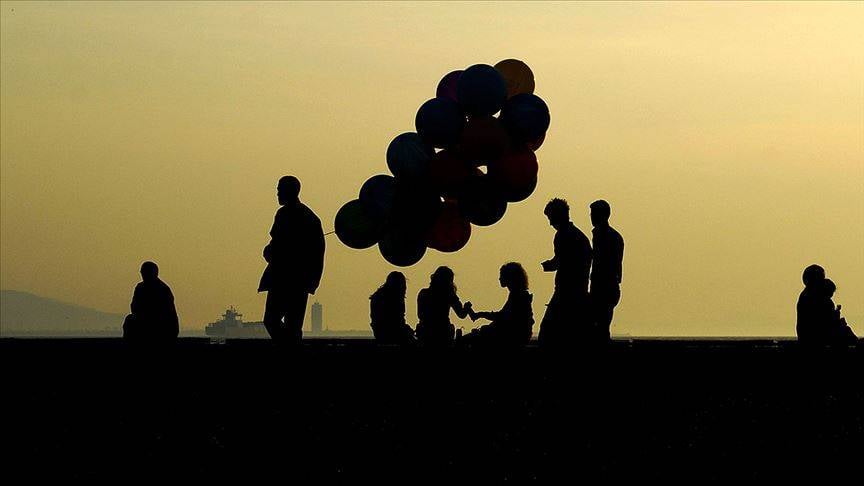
(728, 138)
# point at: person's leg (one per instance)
(274, 311)
(605, 301)
(549, 333)
(295, 312)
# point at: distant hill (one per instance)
(23, 314)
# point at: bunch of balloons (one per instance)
(461, 167)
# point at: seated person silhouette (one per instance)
(813, 309)
(153, 317)
(433, 309)
(512, 325)
(819, 320)
(387, 311)
(838, 330)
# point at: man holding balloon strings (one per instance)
(295, 262)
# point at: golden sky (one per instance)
(728, 138)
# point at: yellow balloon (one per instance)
(518, 76)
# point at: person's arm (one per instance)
(553, 263)
(135, 305)
(174, 320)
(619, 260)
(458, 308)
(317, 256)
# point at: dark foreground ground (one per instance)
(247, 410)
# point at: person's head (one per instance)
(442, 278)
(830, 288)
(813, 275)
(600, 212)
(558, 212)
(513, 277)
(149, 271)
(288, 190)
(395, 283)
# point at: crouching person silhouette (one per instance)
(512, 325)
(387, 312)
(153, 317)
(295, 262)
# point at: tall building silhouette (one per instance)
(317, 318)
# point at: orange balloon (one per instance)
(517, 75)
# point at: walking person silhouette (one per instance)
(295, 262)
(568, 317)
(153, 317)
(606, 269)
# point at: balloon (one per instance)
(402, 247)
(517, 75)
(408, 156)
(440, 122)
(415, 206)
(481, 90)
(481, 202)
(515, 174)
(447, 85)
(535, 144)
(357, 226)
(449, 171)
(379, 193)
(484, 139)
(526, 117)
(451, 229)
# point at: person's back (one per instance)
(387, 312)
(573, 252)
(154, 316)
(296, 248)
(433, 313)
(514, 323)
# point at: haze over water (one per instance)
(728, 138)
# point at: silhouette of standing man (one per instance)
(568, 316)
(295, 262)
(153, 317)
(606, 269)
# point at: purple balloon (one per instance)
(447, 85)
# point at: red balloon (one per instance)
(447, 85)
(484, 139)
(515, 174)
(449, 171)
(451, 230)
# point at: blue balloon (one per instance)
(526, 117)
(481, 90)
(379, 193)
(357, 226)
(440, 122)
(408, 156)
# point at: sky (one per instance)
(727, 137)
